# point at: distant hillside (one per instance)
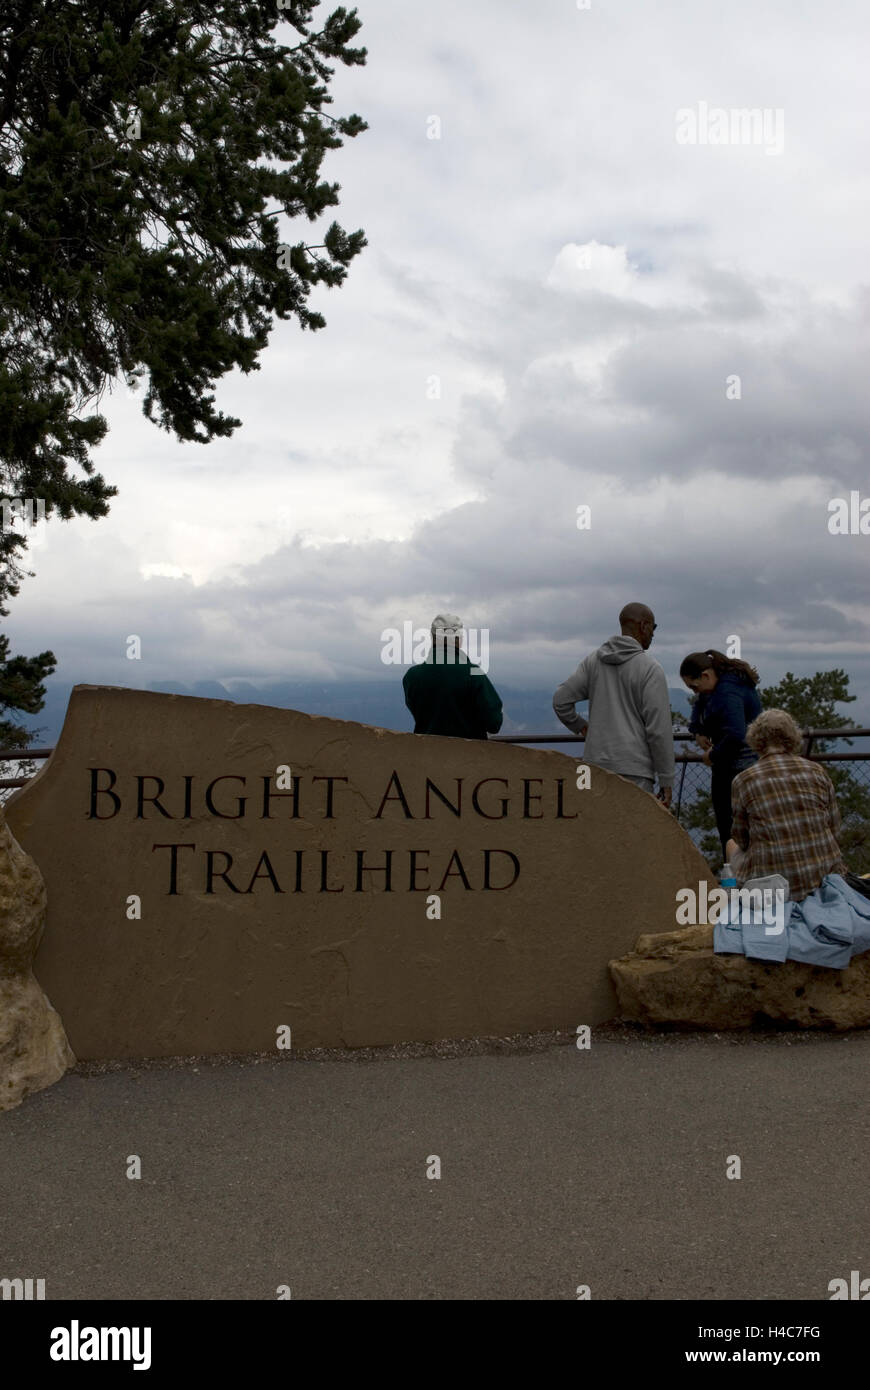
(369, 702)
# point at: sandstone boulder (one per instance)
(34, 1051)
(675, 978)
(221, 876)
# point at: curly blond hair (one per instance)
(774, 731)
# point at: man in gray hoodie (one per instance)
(629, 730)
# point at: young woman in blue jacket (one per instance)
(727, 703)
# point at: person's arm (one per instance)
(834, 817)
(739, 818)
(696, 723)
(408, 687)
(737, 847)
(489, 705)
(656, 715)
(696, 716)
(572, 690)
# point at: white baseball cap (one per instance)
(446, 625)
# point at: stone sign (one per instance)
(234, 878)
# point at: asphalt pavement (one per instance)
(559, 1168)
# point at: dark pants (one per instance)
(720, 790)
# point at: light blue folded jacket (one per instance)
(828, 927)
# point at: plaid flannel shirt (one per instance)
(786, 818)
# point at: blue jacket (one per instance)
(723, 715)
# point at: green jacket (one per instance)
(447, 698)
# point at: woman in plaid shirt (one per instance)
(785, 816)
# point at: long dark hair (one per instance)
(697, 662)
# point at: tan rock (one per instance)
(670, 944)
(198, 904)
(675, 978)
(34, 1051)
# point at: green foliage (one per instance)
(853, 798)
(698, 815)
(21, 689)
(152, 250)
(147, 151)
(811, 701)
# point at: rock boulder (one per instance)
(675, 978)
(34, 1051)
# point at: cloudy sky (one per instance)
(562, 304)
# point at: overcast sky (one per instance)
(582, 285)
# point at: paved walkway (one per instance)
(558, 1168)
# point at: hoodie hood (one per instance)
(616, 650)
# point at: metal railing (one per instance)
(810, 736)
(689, 762)
(20, 755)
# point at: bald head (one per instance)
(637, 621)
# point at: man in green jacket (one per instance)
(447, 693)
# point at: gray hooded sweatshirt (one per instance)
(630, 729)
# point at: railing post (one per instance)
(680, 792)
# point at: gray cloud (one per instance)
(352, 500)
